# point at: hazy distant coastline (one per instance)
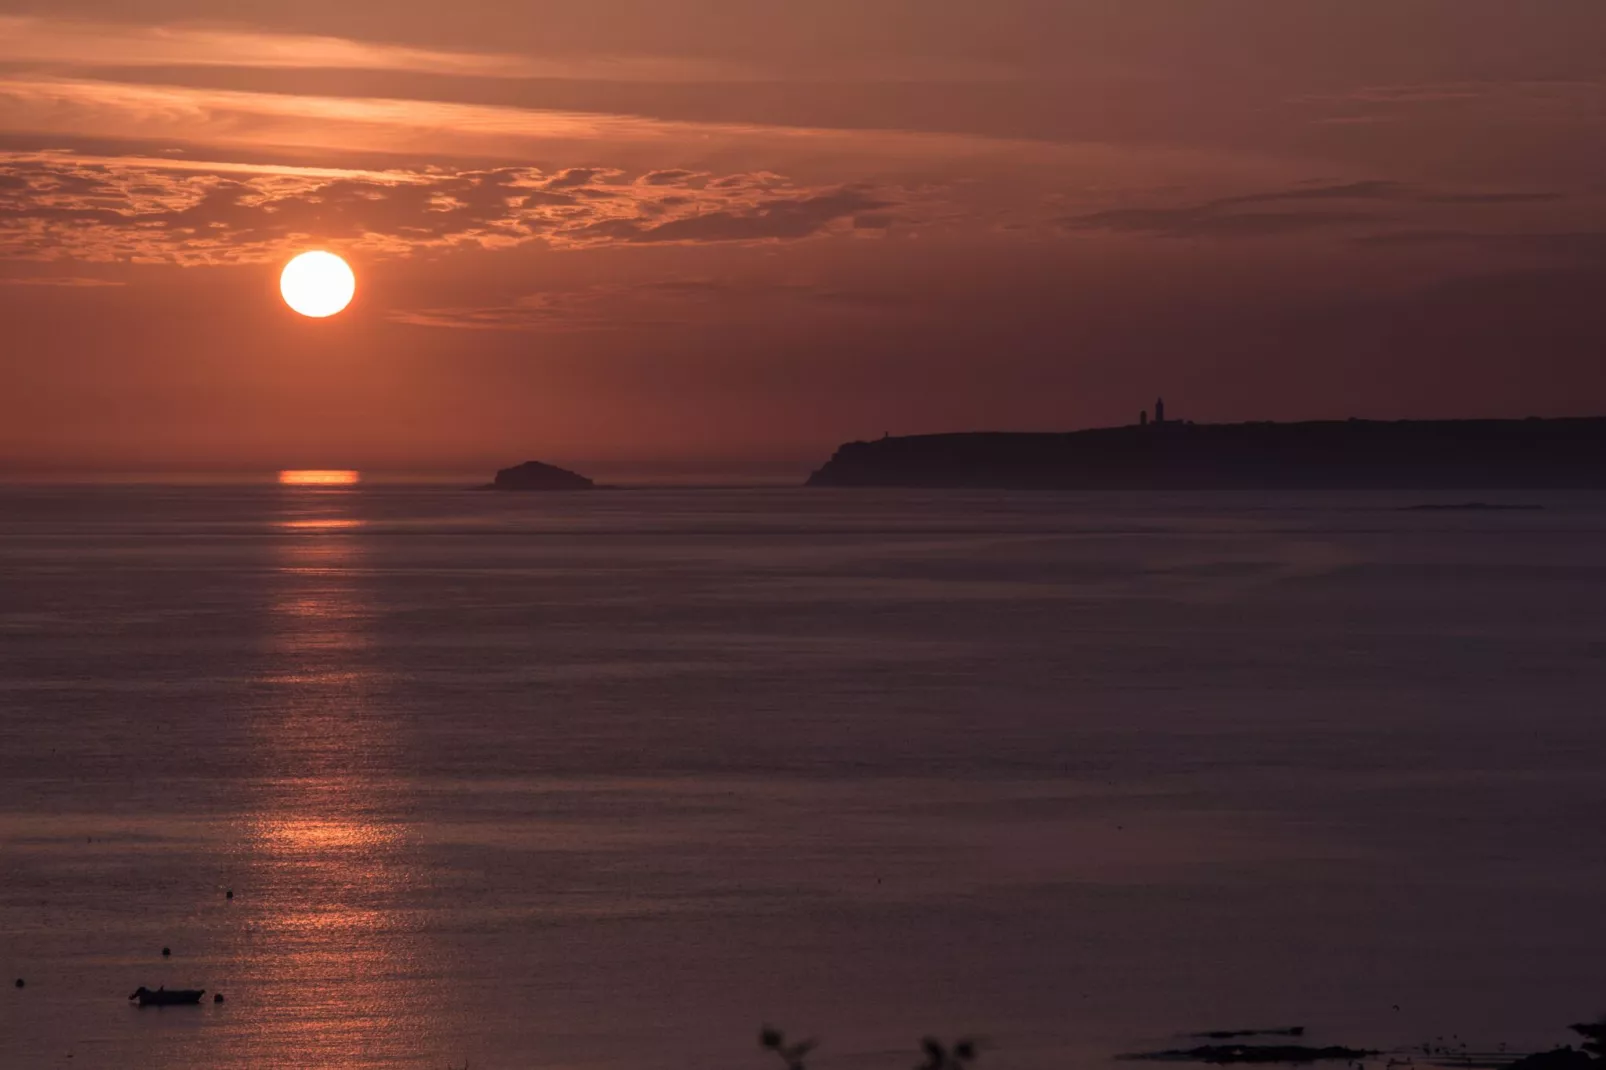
(1333, 454)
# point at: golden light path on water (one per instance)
(326, 873)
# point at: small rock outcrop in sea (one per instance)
(533, 475)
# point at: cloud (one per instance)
(57, 206)
(73, 282)
(771, 219)
(654, 304)
(1243, 215)
(578, 177)
(672, 177)
(60, 42)
(86, 45)
(1206, 222)
(1519, 101)
(1587, 246)
(68, 110)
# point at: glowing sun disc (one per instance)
(317, 284)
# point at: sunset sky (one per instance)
(723, 235)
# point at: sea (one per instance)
(418, 776)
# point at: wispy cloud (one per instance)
(69, 43)
(86, 45)
(70, 282)
(62, 108)
(653, 304)
(55, 206)
(1508, 100)
(1588, 246)
(1295, 209)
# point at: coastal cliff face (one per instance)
(1339, 454)
(533, 475)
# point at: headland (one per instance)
(1324, 454)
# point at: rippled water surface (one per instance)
(607, 780)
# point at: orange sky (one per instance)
(716, 235)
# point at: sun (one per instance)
(317, 284)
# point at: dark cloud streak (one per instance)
(1240, 216)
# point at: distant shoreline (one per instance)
(1531, 454)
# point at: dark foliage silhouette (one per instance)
(1594, 1034)
(936, 1054)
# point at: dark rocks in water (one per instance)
(1234, 1034)
(533, 475)
(1560, 1059)
(217, 997)
(167, 952)
(21, 983)
(1256, 1053)
(229, 894)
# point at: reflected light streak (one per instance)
(319, 477)
(330, 866)
(317, 834)
(321, 524)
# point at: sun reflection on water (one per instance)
(322, 523)
(319, 477)
(329, 942)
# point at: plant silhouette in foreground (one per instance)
(1594, 1034)
(793, 1055)
(937, 1055)
(941, 1057)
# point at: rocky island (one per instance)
(1330, 454)
(533, 475)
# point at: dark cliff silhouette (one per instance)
(1337, 454)
(533, 475)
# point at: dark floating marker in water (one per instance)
(229, 894)
(21, 983)
(166, 997)
(217, 998)
(166, 952)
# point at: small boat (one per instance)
(165, 997)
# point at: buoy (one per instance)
(21, 983)
(229, 894)
(166, 951)
(218, 998)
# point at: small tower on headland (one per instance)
(1143, 418)
(1159, 410)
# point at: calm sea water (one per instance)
(609, 780)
